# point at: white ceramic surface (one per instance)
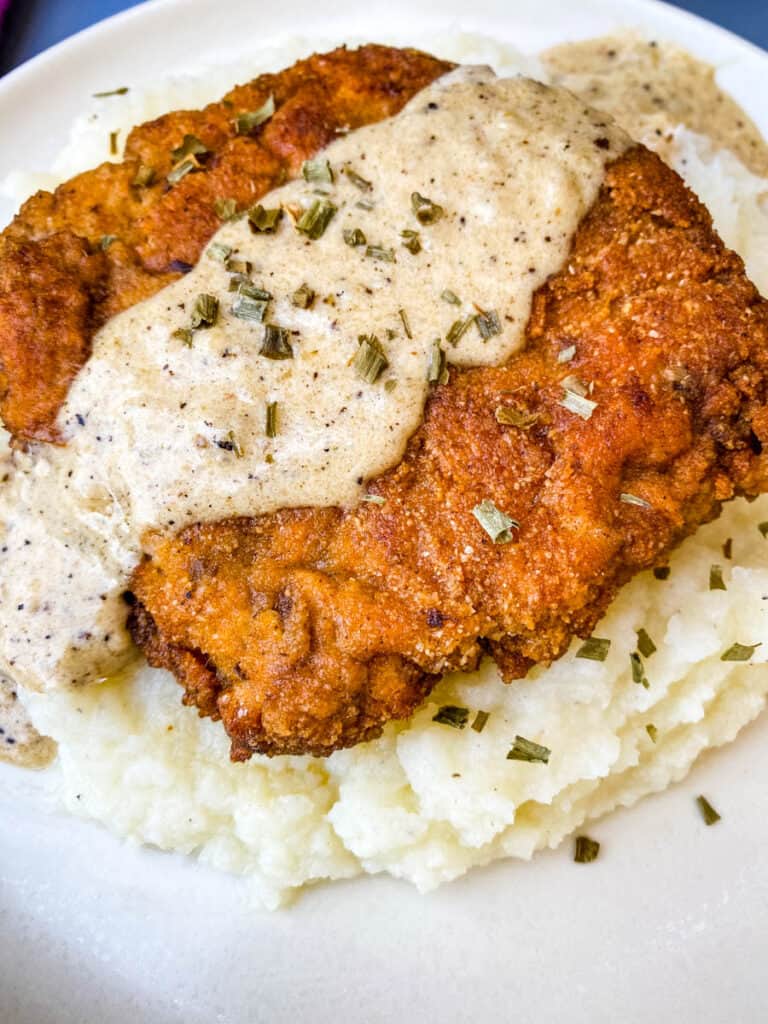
(671, 924)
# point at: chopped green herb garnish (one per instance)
(105, 241)
(739, 652)
(263, 220)
(275, 343)
(380, 252)
(316, 219)
(226, 209)
(184, 335)
(411, 241)
(448, 296)
(231, 444)
(426, 211)
(364, 204)
(190, 146)
(217, 251)
(390, 385)
(121, 91)
(708, 812)
(271, 420)
(245, 123)
(527, 750)
(144, 176)
(303, 297)
(451, 715)
(595, 649)
(632, 499)
(497, 524)
(716, 581)
(354, 237)
(436, 371)
(488, 324)
(205, 311)
(113, 143)
(239, 268)
(181, 170)
(763, 528)
(243, 285)
(728, 548)
(565, 355)
(652, 731)
(645, 645)
(578, 404)
(373, 499)
(662, 572)
(317, 171)
(248, 307)
(458, 329)
(585, 850)
(358, 180)
(509, 416)
(480, 721)
(406, 323)
(370, 360)
(638, 672)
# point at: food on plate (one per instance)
(438, 396)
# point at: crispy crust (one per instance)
(56, 285)
(308, 630)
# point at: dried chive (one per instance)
(509, 416)
(585, 850)
(578, 404)
(708, 812)
(270, 426)
(448, 296)
(373, 499)
(217, 251)
(595, 649)
(436, 370)
(652, 731)
(480, 720)
(632, 499)
(380, 252)
(452, 715)
(763, 528)
(190, 146)
(263, 220)
(411, 241)
(728, 548)
(354, 237)
(638, 672)
(245, 123)
(488, 324)
(144, 176)
(246, 287)
(426, 211)
(246, 307)
(406, 323)
(205, 311)
(458, 329)
(497, 524)
(357, 179)
(226, 209)
(181, 170)
(316, 219)
(184, 335)
(240, 269)
(739, 652)
(317, 171)
(231, 444)
(662, 572)
(566, 355)
(716, 581)
(303, 297)
(645, 645)
(120, 91)
(370, 359)
(113, 143)
(275, 344)
(527, 750)
(105, 241)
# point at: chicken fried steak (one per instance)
(307, 630)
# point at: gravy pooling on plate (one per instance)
(421, 239)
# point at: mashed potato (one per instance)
(426, 801)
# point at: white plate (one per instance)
(669, 925)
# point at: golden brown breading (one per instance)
(57, 286)
(307, 630)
